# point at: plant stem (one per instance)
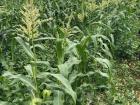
(34, 68)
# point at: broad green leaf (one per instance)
(25, 47)
(103, 74)
(45, 38)
(60, 51)
(74, 76)
(94, 37)
(85, 41)
(38, 46)
(22, 78)
(46, 64)
(41, 62)
(29, 69)
(4, 103)
(71, 46)
(106, 50)
(102, 24)
(82, 46)
(65, 68)
(58, 98)
(112, 39)
(104, 62)
(63, 81)
(76, 29)
(5, 63)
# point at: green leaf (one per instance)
(106, 50)
(25, 47)
(81, 47)
(74, 76)
(22, 78)
(76, 30)
(45, 38)
(60, 51)
(103, 74)
(94, 37)
(58, 98)
(85, 41)
(38, 46)
(71, 46)
(63, 81)
(104, 62)
(65, 68)
(4, 63)
(112, 39)
(4, 103)
(41, 62)
(29, 69)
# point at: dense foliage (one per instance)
(69, 52)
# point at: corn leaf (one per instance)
(66, 67)
(22, 78)
(58, 98)
(63, 81)
(25, 47)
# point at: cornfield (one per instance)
(69, 52)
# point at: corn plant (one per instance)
(62, 52)
(77, 53)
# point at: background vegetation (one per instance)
(69, 52)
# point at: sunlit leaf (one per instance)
(22, 78)
(65, 68)
(63, 81)
(58, 98)
(25, 47)
(104, 62)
